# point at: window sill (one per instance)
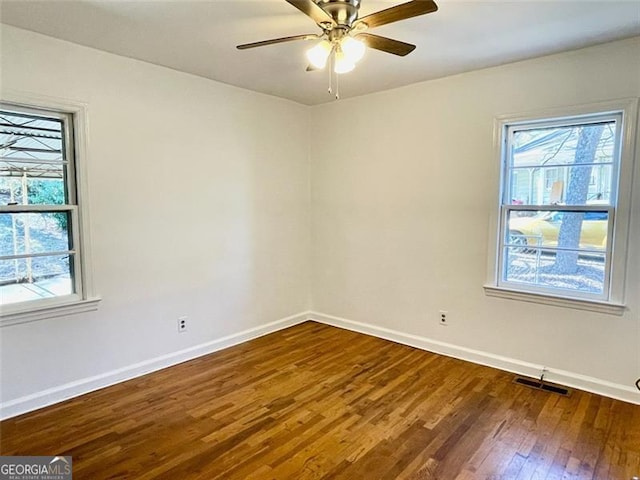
(575, 303)
(49, 311)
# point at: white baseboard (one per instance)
(562, 377)
(69, 390)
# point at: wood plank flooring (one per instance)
(317, 402)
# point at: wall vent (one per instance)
(538, 385)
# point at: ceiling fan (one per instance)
(344, 36)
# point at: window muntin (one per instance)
(559, 195)
(39, 234)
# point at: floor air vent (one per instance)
(547, 387)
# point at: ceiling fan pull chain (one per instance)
(330, 89)
(332, 66)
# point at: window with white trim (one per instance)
(559, 223)
(40, 257)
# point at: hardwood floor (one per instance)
(317, 402)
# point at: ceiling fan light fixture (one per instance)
(319, 54)
(353, 49)
(341, 63)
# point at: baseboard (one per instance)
(69, 390)
(60, 393)
(562, 377)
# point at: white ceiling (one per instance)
(199, 37)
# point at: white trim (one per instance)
(556, 301)
(561, 208)
(80, 120)
(73, 389)
(44, 310)
(54, 253)
(69, 390)
(563, 377)
(560, 113)
(32, 208)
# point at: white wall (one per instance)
(401, 206)
(198, 198)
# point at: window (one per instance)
(563, 214)
(40, 245)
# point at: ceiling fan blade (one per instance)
(386, 44)
(399, 12)
(311, 9)
(277, 40)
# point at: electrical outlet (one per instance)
(182, 324)
(444, 318)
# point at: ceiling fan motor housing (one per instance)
(343, 12)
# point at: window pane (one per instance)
(27, 279)
(39, 191)
(546, 268)
(547, 186)
(30, 137)
(24, 233)
(31, 159)
(568, 165)
(563, 229)
(589, 143)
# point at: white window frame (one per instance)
(84, 299)
(612, 300)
